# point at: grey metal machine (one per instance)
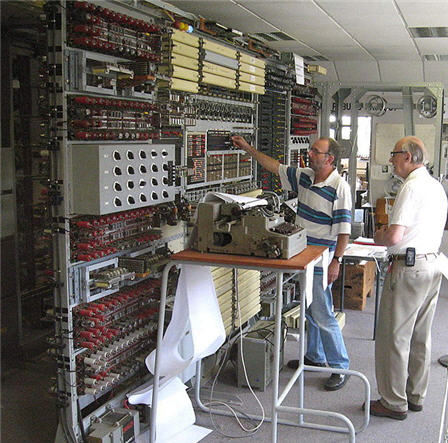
(258, 354)
(231, 228)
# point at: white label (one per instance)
(299, 68)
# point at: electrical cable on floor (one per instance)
(233, 410)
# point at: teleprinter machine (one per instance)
(229, 228)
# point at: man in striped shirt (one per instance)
(324, 209)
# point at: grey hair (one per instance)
(334, 148)
(417, 151)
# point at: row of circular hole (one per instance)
(142, 183)
(142, 198)
(142, 168)
(142, 155)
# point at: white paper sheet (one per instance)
(195, 310)
(365, 250)
(175, 413)
(196, 313)
(245, 202)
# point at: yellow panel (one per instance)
(218, 70)
(225, 293)
(220, 279)
(179, 85)
(248, 313)
(184, 37)
(250, 78)
(253, 193)
(249, 289)
(250, 69)
(225, 304)
(217, 272)
(180, 60)
(181, 48)
(219, 49)
(226, 313)
(253, 283)
(212, 79)
(245, 273)
(186, 74)
(245, 58)
(179, 72)
(223, 288)
(251, 88)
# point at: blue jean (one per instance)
(325, 341)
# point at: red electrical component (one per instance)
(85, 312)
(86, 29)
(303, 132)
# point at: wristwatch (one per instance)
(339, 259)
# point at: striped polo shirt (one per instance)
(323, 209)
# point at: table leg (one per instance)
(341, 308)
(277, 346)
(377, 299)
(156, 379)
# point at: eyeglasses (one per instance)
(397, 152)
(316, 151)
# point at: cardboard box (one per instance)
(359, 283)
(383, 209)
(316, 69)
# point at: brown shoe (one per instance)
(377, 409)
(414, 407)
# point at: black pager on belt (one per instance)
(410, 257)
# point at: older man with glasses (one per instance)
(412, 284)
(324, 209)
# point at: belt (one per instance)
(418, 256)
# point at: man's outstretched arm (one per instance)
(267, 162)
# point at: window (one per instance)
(364, 132)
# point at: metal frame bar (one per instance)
(378, 272)
(298, 374)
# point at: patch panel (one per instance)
(111, 178)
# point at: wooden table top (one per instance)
(298, 262)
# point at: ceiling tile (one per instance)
(392, 52)
(292, 46)
(424, 12)
(302, 20)
(432, 45)
(357, 71)
(436, 72)
(345, 53)
(375, 24)
(401, 71)
(225, 13)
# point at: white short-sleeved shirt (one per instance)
(420, 206)
(323, 209)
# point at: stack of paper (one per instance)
(244, 202)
